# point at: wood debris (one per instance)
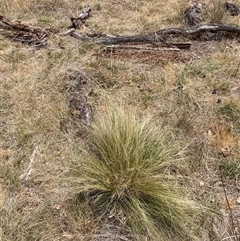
(170, 39)
(78, 21)
(80, 108)
(192, 15)
(80, 17)
(23, 33)
(232, 9)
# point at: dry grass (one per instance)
(195, 96)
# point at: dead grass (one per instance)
(195, 94)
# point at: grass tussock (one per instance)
(126, 175)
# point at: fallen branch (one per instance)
(71, 30)
(207, 27)
(205, 32)
(162, 35)
(138, 47)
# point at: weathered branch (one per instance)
(207, 27)
(163, 35)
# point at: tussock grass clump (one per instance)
(126, 177)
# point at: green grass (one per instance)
(126, 174)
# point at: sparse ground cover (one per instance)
(193, 95)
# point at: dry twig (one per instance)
(28, 171)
